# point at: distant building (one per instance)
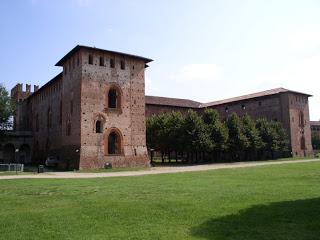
(315, 127)
(94, 112)
(288, 107)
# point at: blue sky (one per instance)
(202, 50)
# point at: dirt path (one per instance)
(155, 170)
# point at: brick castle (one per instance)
(94, 111)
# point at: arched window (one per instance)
(114, 143)
(303, 143)
(98, 126)
(114, 98)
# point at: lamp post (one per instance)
(16, 159)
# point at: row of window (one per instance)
(315, 128)
(102, 62)
(243, 106)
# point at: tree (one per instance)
(196, 138)
(274, 137)
(174, 132)
(6, 109)
(252, 134)
(217, 131)
(238, 141)
(316, 141)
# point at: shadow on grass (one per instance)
(290, 220)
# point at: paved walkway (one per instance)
(155, 170)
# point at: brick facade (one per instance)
(62, 115)
(94, 111)
(282, 105)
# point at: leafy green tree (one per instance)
(274, 137)
(252, 134)
(238, 141)
(174, 132)
(217, 131)
(6, 109)
(315, 141)
(196, 138)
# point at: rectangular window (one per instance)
(101, 61)
(37, 123)
(112, 63)
(60, 113)
(122, 65)
(71, 107)
(90, 59)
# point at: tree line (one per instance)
(205, 137)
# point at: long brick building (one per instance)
(94, 111)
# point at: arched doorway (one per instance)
(9, 153)
(25, 154)
(113, 142)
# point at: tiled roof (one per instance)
(76, 48)
(315, 123)
(164, 101)
(250, 96)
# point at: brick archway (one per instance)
(113, 142)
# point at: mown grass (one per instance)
(270, 202)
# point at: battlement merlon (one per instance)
(18, 94)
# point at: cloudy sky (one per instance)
(202, 50)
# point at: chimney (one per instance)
(36, 88)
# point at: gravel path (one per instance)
(155, 170)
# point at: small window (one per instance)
(68, 130)
(60, 113)
(71, 107)
(90, 59)
(112, 98)
(260, 103)
(112, 63)
(78, 60)
(226, 109)
(49, 117)
(101, 61)
(243, 107)
(37, 123)
(98, 126)
(122, 65)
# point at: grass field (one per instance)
(271, 202)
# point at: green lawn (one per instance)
(280, 202)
